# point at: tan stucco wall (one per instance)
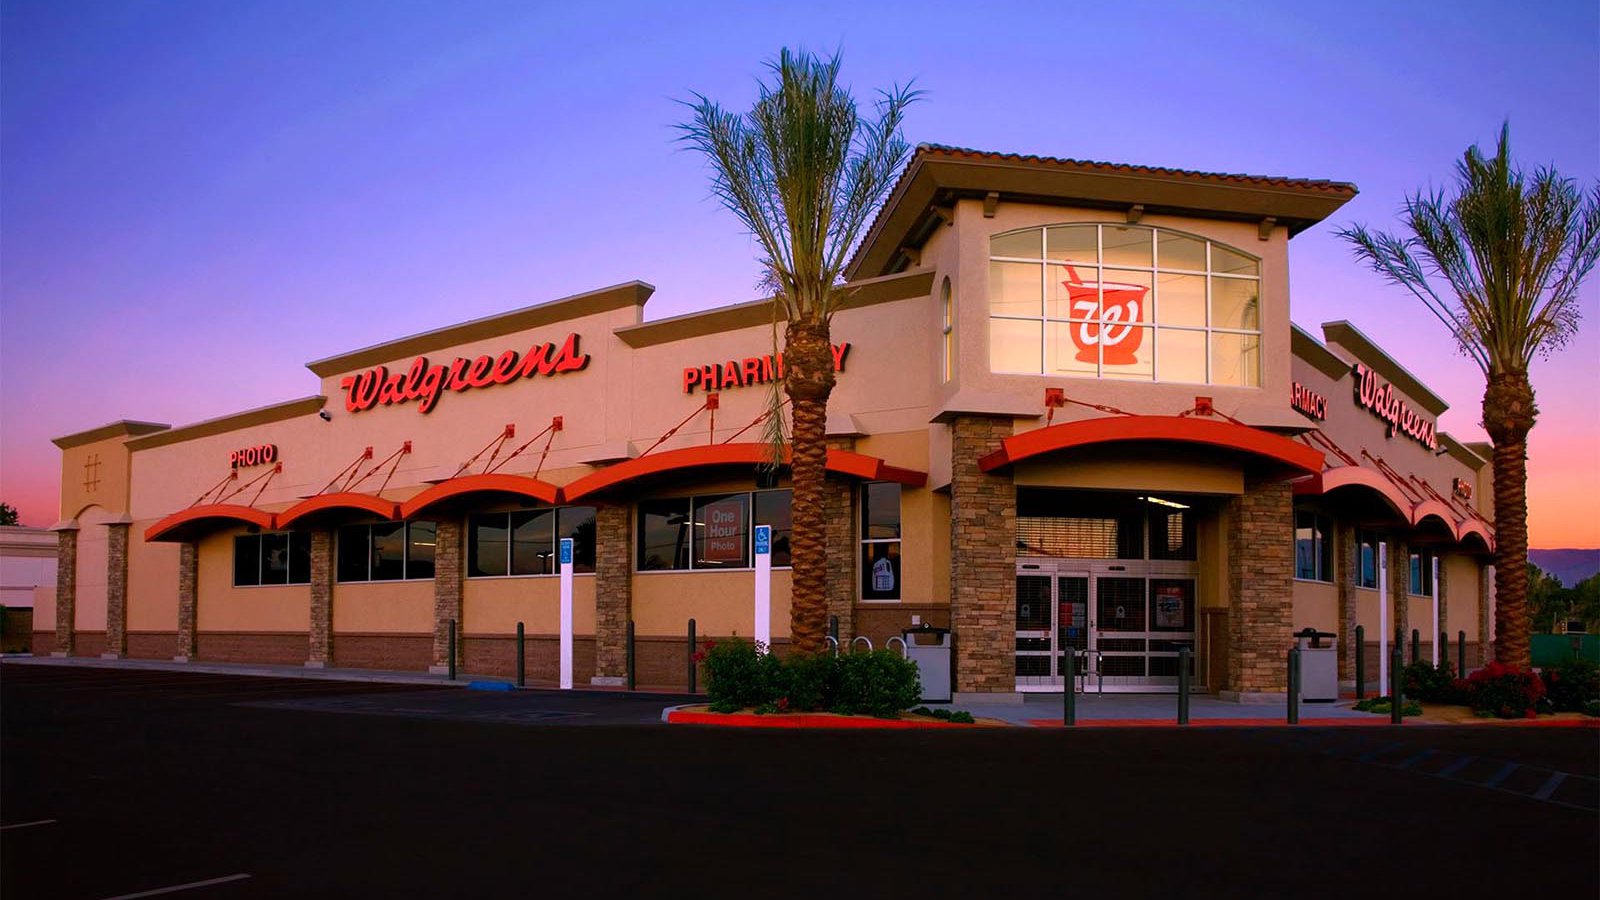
(222, 607)
(1141, 470)
(152, 583)
(495, 605)
(93, 544)
(1316, 605)
(389, 607)
(722, 603)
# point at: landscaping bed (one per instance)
(701, 714)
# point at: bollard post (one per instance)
(1183, 685)
(1294, 686)
(1416, 645)
(452, 649)
(1069, 698)
(1442, 649)
(1361, 663)
(1461, 654)
(1396, 701)
(833, 629)
(522, 662)
(633, 682)
(692, 672)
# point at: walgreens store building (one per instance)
(1072, 415)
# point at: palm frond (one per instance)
(1509, 251)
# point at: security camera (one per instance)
(324, 415)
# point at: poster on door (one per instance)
(724, 534)
(1172, 607)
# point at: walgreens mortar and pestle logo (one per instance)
(1116, 334)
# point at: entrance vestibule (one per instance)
(1109, 577)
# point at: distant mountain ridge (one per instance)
(1570, 566)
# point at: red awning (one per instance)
(1173, 429)
(343, 500)
(749, 453)
(1412, 512)
(186, 523)
(521, 485)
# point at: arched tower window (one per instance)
(947, 302)
(1123, 301)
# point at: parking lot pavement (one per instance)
(160, 783)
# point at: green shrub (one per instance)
(739, 673)
(1384, 705)
(1500, 690)
(1592, 708)
(810, 682)
(1572, 684)
(962, 717)
(1430, 684)
(876, 683)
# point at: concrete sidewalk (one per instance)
(216, 668)
(1133, 710)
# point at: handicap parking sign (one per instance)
(763, 540)
(566, 551)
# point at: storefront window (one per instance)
(385, 551)
(880, 541)
(1313, 546)
(948, 345)
(1367, 565)
(1422, 573)
(523, 542)
(1123, 302)
(282, 557)
(712, 532)
(1074, 524)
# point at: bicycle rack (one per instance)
(859, 638)
(904, 653)
(1099, 670)
(832, 642)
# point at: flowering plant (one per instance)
(1504, 691)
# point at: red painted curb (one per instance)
(748, 720)
(1205, 723)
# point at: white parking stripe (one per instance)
(181, 887)
(27, 824)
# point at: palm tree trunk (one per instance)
(1508, 415)
(808, 379)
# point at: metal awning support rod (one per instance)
(216, 489)
(263, 477)
(347, 472)
(765, 415)
(710, 403)
(391, 458)
(551, 429)
(510, 431)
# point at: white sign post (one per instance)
(1383, 617)
(566, 614)
(764, 585)
(1435, 640)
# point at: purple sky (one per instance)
(197, 198)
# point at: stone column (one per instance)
(1347, 574)
(66, 589)
(447, 586)
(838, 506)
(188, 570)
(321, 654)
(116, 591)
(983, 560)
(1260, 589)
(1400, 596)
(613, 592)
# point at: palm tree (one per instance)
(804, 170)
(1511, 250)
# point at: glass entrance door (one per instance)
(1126, 626)
(1052, 620)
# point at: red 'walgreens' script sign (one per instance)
(424, 383)
(750, 370)
(1380, 398)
